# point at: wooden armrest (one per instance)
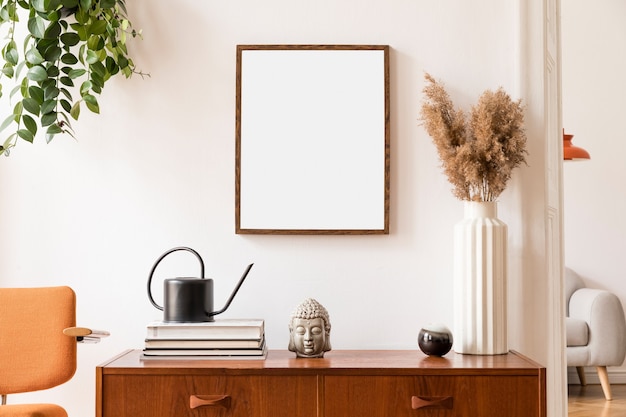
(85, 335)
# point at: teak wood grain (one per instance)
(344, 383)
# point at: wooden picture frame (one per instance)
(312, 139)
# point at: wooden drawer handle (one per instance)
(431, 402)
(196, 401)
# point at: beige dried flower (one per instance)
(478, 155)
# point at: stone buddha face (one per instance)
(308, 337)
(309, 330)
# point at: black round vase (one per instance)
(435, 340)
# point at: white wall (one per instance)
(156, 170)
(594, 101)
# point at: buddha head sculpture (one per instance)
(309, 330)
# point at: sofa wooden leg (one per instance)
(581, 375)
(604, 381)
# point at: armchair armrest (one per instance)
(603, 313)
(85, 335)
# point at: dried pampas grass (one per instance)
(479, 152)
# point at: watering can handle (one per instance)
(160, 259)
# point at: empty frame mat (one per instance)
(312, 139)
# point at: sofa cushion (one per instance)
(577, 332)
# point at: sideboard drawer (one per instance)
(209, 396)
(431, 396)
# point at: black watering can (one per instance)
(189, 299)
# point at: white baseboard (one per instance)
(616, 375)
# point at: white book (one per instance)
(261, 357)
(203, 343)
(220, 329)
(261, 351)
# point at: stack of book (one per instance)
(222, 338)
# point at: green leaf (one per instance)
(98, 27)
(19, 67)
(4, 14)
(49, 83)
(114, 24)
(43, 45)
(53, 31)
(81, 30)
(98, 68)
(11, 55)
(70, 38)
(30, 124)
(67, 106)
(122, 61)
(37, 27)
(33, 57)
(48, 106)
(107, 4)
(97, 81)
(112, 38)
(85, 4)
(48, 119)
(92, 103)
(85, 87)
(75, 112)
(15, 90)
(66, 93)
(53, 53)
(81, 52)
(70, 4)
(7, 121)
(111, 65)
(17, 111)
(53, 71)
(24, 87)
(26, 135)
(67, 81)
(51, 92)
(37, 74)
(31, 106)
(52, 131)
(95, 43)
(69, 59)
(36, 93)
(38, 5)
(76, 73)
(8, 70)
(92, 57)
(54, 16)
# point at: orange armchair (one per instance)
(35, 354)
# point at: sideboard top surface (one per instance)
(335, 362)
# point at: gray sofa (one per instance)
(596, 329)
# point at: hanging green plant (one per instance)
(59, 54)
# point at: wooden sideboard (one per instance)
(345, 383)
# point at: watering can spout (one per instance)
(234, 293)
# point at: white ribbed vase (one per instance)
(480, 297)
